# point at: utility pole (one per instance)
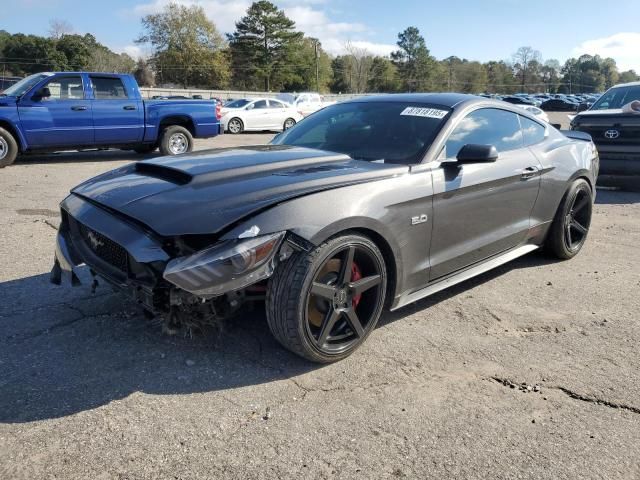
(315, 49)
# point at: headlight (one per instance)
(225, 267)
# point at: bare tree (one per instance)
(58, 28)
(359, 64)
(522, 61)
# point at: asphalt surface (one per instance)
(90, 389)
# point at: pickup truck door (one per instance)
(482, 209)
(56, 113)
(118, 113)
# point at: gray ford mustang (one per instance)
(365, 205)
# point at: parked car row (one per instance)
(550, 102)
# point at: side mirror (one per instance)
(557, 126)
(582, 107)
(474, 153)
(44, 92)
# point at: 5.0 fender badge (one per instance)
(419, 219)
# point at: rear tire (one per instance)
(175, 140)
(288, 123)
(322, 305)
(8, 148)
(571, 224)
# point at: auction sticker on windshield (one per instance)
(424, 112)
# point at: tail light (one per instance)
(218, 111)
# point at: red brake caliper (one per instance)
(356, 275)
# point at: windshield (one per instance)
(617, 98)
(237, 103)
(24, 85)
(397, 132)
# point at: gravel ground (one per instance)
(90, 389)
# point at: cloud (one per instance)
(622, 47)
(309, 16)
(133, 51)
(333, 35)
(224, 13)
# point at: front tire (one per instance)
(235, 126)
(175, 140)
(322, 305)
(571, 224)
(8, 148)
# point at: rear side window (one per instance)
(532, 132)
(108, 88)
(66, 88)
(487, 126)
(275, 104)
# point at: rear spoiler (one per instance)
(576, 135)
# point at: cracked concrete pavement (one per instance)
(90, 389)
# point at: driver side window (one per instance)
(487, 126)
(65, 88)
(260, 104)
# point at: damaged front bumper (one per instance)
(133, 259)
(114, 248)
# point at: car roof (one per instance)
(630, 84)
(445, 99)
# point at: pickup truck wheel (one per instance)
(8, 148)
(322, 305)
(144, 149)
(235, 126)
(570, 226)
(176, 140)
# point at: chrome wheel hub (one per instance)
(4, 148)
(178, 143)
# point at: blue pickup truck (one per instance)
(48, 112)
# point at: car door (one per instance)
(278, 113)
(482, 209)
(57, 113)
(258, 115)
(118, 115)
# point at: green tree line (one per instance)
(266, 52)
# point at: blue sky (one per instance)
(473, 29)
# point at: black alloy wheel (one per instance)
(322, 305)
(577, 220)
(570, 227)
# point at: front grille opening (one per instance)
(104, 248)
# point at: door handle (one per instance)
(529, 172)
(78, 108)
(129, 107)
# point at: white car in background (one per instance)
(256, 114)
(305, 103)
(541, 114)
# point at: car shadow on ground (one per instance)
(89, 156)
(64, 350)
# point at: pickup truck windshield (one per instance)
(396, 132)
(617, 98)
(24, 85)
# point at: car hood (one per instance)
(204, 192)
(591, 113)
